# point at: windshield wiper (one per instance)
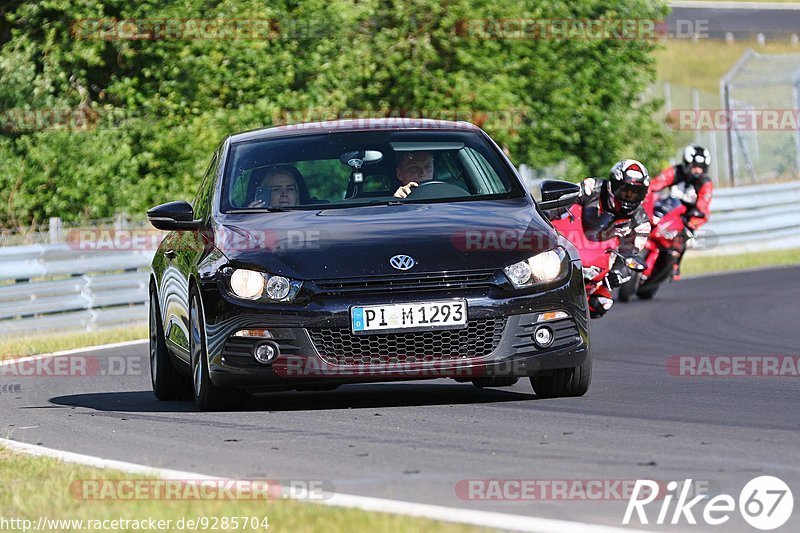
(268, 209)
(382, 203)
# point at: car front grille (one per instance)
(341, 347)
(408, 282)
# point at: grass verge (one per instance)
(54, 342)
(35, 486)
(700, 264)
(703, 63)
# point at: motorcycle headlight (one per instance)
(252, 285)
(541, 268)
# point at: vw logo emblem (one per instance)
(402, 262)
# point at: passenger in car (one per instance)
(280, 186)
(413, 168)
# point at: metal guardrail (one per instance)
(52, 287)
(752, 219)
(55, 287)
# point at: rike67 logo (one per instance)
(765, 503)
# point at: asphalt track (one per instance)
(776, 22)
(416, 441)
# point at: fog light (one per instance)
(543, 336)
(266, 353)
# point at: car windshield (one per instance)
(348, 169)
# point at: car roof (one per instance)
(365, 124)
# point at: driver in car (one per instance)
(280, 186)
(413, 168)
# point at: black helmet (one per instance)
(695, 156)
(627, 186)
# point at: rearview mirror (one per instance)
(173, 216)
(556, 193)
(357, 159)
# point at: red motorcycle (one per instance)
(668, 235)
(597, 257)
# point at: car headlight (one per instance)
(252, 285)
(247, 284)
(541, 268)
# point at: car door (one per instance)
(182, 250)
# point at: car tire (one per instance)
(207, 396)
(628, 289)
(167, 383)
(563, 382)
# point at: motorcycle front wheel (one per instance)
(647, 294)
(629, 288)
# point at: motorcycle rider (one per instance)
(692, 186)
(614, 207)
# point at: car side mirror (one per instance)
(556, 193)
(173, 216)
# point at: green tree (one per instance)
(157, 107)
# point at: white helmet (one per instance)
(696, 156)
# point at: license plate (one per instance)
(409, 317)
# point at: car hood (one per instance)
(358, 242)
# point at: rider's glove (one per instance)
(619, 276)
(622, 229)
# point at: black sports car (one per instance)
(366, 250)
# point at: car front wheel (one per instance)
(563, 382)
(167, 382)
(207, 396)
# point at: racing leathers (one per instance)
(601, 223)
(694, 192)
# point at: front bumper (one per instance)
(300, 362)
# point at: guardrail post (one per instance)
(797, 111)
(726, 98)
(55, 230)
(121, 221)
